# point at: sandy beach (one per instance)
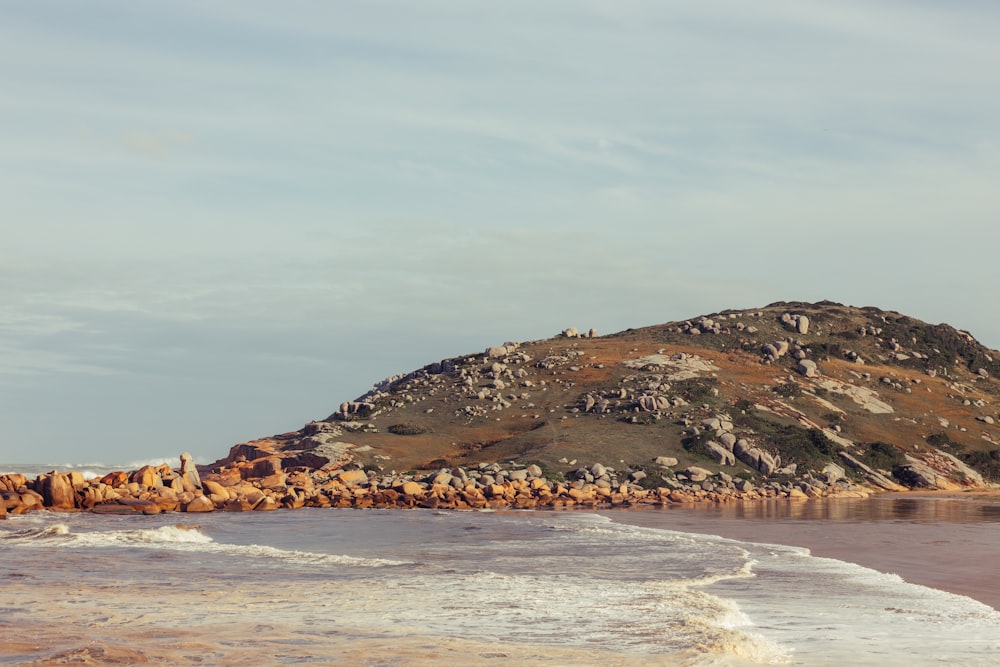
(947, 540)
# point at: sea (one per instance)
(426, 587)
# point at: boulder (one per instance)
(213, 488)
(697, 474)
(411, 489)
(115, 480)
(146, 477)
(665, 461)
(353, 477)
(832, 473)
(200, 504)
(727, 440)
(56, 490)
(189, 473)
(807, 367)
(266, 504)
(719, 454)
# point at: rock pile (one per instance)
(152, 490)
(148, 490)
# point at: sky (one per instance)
(218, 221)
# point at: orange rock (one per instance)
(411, 489)
(388, 496)
(13, 482)
(679, 497)
(166, 499)
(199, 504)
(56, 490)
(353, 477)
(140, 506)
(146, 477)
(275, 481)
(214, 489)
(441, 491)
(237, 505)
(266, 505)
(115, 479)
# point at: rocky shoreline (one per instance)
(153, 490)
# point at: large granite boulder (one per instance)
(57, 491)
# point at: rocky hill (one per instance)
(791, 400)
(792, 392)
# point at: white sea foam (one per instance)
(184, 538)
(562, 585)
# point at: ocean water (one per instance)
(421, 587)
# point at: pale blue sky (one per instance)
(220, 220)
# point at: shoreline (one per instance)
(942, 540)
(933, 538)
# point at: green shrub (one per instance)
(406, 429)
(787, 389)
(696, 390)
(939, 440)
(986, 463)
(795, 444)
(883, 456)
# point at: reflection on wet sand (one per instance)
(914, 508)
(945, 541)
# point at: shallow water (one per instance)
(945, 541)
(434, 588)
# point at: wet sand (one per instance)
(948, 541)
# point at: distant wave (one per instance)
(182, 538)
